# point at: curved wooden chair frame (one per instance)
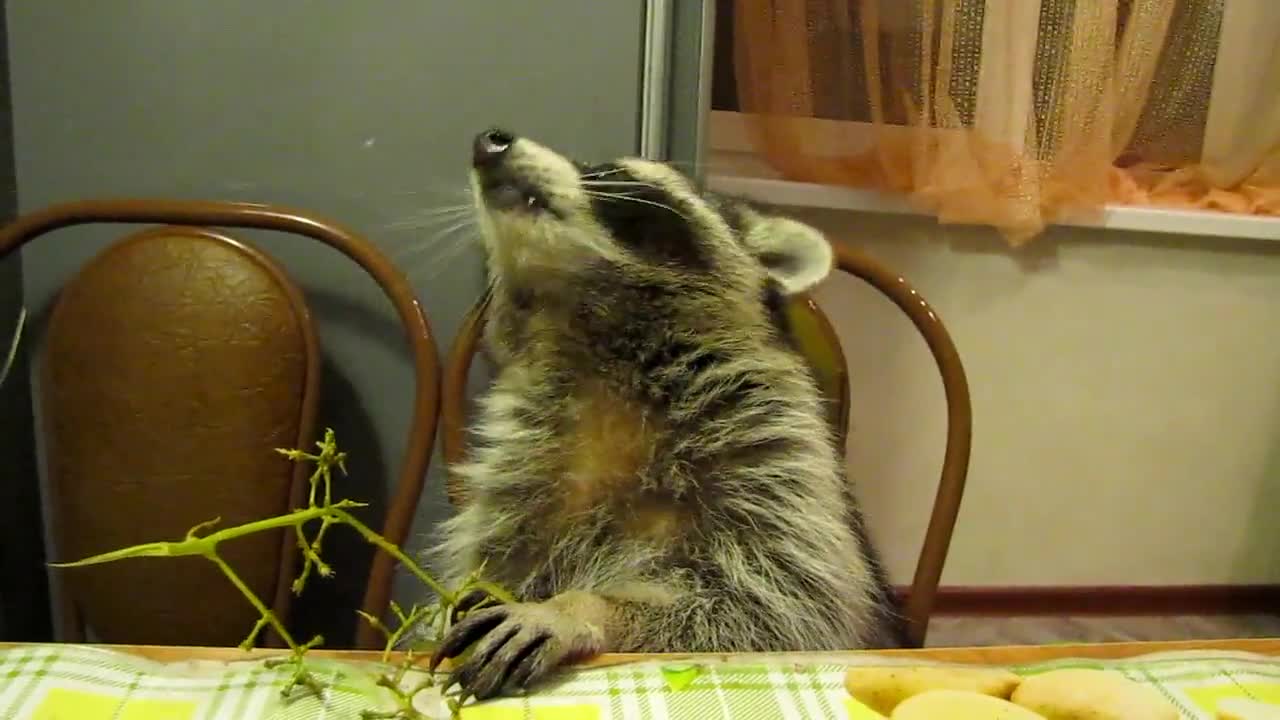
(955, 466)
(426, 395)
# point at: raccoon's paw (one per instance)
(514, 646)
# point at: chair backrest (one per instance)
(185, 304)
(174, 361)
(818, 342)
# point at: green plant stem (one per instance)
(406, 624)
(311, 554)
(203, 546)
(261, 607)
(389, 548)
(327, 472)
(330, 513)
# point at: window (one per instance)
(1013, 113)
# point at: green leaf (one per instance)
(679, 677)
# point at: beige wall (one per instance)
(1126, 393)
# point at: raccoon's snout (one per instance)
(490, 146)
(503, 188)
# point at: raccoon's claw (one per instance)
(514, 646)
(471, 601)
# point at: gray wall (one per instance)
(360, 111)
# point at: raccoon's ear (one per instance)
(796, 255)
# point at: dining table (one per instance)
(61, 681)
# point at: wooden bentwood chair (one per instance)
(175, 361)
(821, 346)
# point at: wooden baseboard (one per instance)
(1107, 600)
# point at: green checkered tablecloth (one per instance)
(55, 682)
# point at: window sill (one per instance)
(734, 168)
(787, 193)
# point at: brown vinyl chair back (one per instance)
(174, 361)
(821, 347)
(93, 342)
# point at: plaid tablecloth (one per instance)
(51, 682)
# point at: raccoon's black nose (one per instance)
(489, 146)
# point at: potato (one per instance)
(959, 705)
(1081, 694)
(1242, 709)
(882, 688)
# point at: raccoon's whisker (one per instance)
(461, 226)
(430, 269)
(428, 226)
(454, 191)
(602, 173)
(434, 251)
(453, 233)
(618, 183)
(435, 256)
(424, 220)
(624, 192)
(453, 251)
(635, 193)
(421, 228)
(632, 198)
(445, 209)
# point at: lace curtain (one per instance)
(1014, 112)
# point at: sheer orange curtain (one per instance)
(1015, 112)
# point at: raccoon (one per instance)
(653, 470)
